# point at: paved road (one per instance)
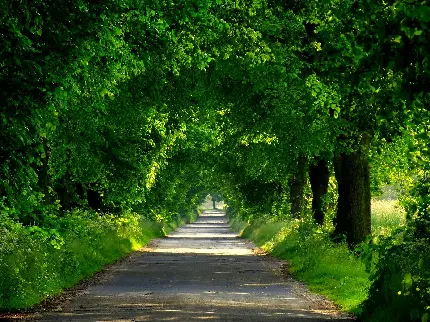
(203, 271)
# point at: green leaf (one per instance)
(407, 281)
(397, 39)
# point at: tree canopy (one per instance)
(147, 106)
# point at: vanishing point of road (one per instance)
(202, 271)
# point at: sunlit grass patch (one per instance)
(386, 216)
(238, 225)
(264, 236)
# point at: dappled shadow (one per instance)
(138, 311)
(193, 276)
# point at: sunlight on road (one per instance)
(204, 235)
(211, 234)
(211, 251)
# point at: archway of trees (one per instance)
(146, 106)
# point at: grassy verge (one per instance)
(327, 268)
(36, 262)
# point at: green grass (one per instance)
(327, 268)
(386, 216)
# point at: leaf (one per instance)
(397, 39)
(407, 281)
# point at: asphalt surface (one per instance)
(202, 271)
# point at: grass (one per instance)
(386, 216)
(327, 268)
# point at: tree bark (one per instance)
(297, 186)
(319, 176)
(353, 213)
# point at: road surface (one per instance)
(202, 271)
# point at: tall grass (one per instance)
(386, 216)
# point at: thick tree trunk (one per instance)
(297, 186)
(352, 174)
(319, 176)
(214, 203)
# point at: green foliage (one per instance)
(391, 164)
(125, 107)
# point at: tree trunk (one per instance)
(319, 175)
(214, 203)
(297, 187)
(353, 213)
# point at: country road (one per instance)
(202, 271)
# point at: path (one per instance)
(200, 272)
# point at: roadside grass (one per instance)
(36, 263)
(328, 268)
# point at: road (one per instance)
(202, 271)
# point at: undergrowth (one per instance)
(36, 262)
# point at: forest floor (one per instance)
(202, 271)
